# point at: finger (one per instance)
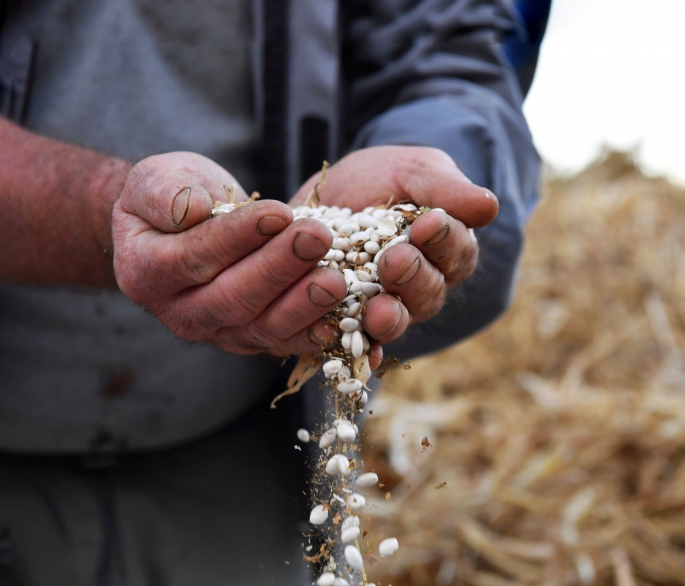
(405, 272)
(447, 244)
(241, 293)
(376, 356)
(312, 297)
(176, 191)
(426, 176)
(212, 176)
(243, 340)
(316, 336)
(386, 318)
(164, 264)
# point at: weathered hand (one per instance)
(247, 281)
(443, 252)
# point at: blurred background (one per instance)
(555, 450)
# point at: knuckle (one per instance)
(240, 309)
(196, 268)
(253, 337)
(230, 342)
(274, 275)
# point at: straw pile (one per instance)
(557, 437)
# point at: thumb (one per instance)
(426, 176)
(176, 191)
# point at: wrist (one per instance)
(105, 185)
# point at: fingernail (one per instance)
(397, 321)
(489, 194)
(313, 338)
(308, 247)
(180, 205)
(270, 225)
(320, 297)
(409, 274)
(438, 237)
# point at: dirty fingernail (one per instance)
(308, 247)
(320, 297)
(313, 338)
(438, 237)
(180, 205)
(270, 225)
(397, 321)
(409, 274)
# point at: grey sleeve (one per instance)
(434, 75)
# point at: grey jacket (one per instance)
(86, 370)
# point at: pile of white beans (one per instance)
(359, 241)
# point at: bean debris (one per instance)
(359, 242)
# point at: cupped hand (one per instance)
(246, 281)
(444, 250)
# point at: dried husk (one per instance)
(558, 436)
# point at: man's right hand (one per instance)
(246, 281)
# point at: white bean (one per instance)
(359, 238)
(372, 247)
(356, 501)
(333, 366)
(347, 387)
(333, 466)
(326, 579)
(367, 221)
(349, 324)
(351, 521)
(303, 436)
(346, 340)
(327, 438)
(354, 558)
(349, 228)
(353, 309)
(364, 276)
(344, 465)
(388, 547)
(350, 276)
(341, 244)
(350, 534)
(370, 289)
(318, 515)
(357, 343)
(386, 227)
(346, 433)
(340, 582)
(367, 479)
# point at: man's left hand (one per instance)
(443, 253)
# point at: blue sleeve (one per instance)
(434, 74)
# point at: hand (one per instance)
(443, 252)
(246, 281)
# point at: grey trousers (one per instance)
(223, 510)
